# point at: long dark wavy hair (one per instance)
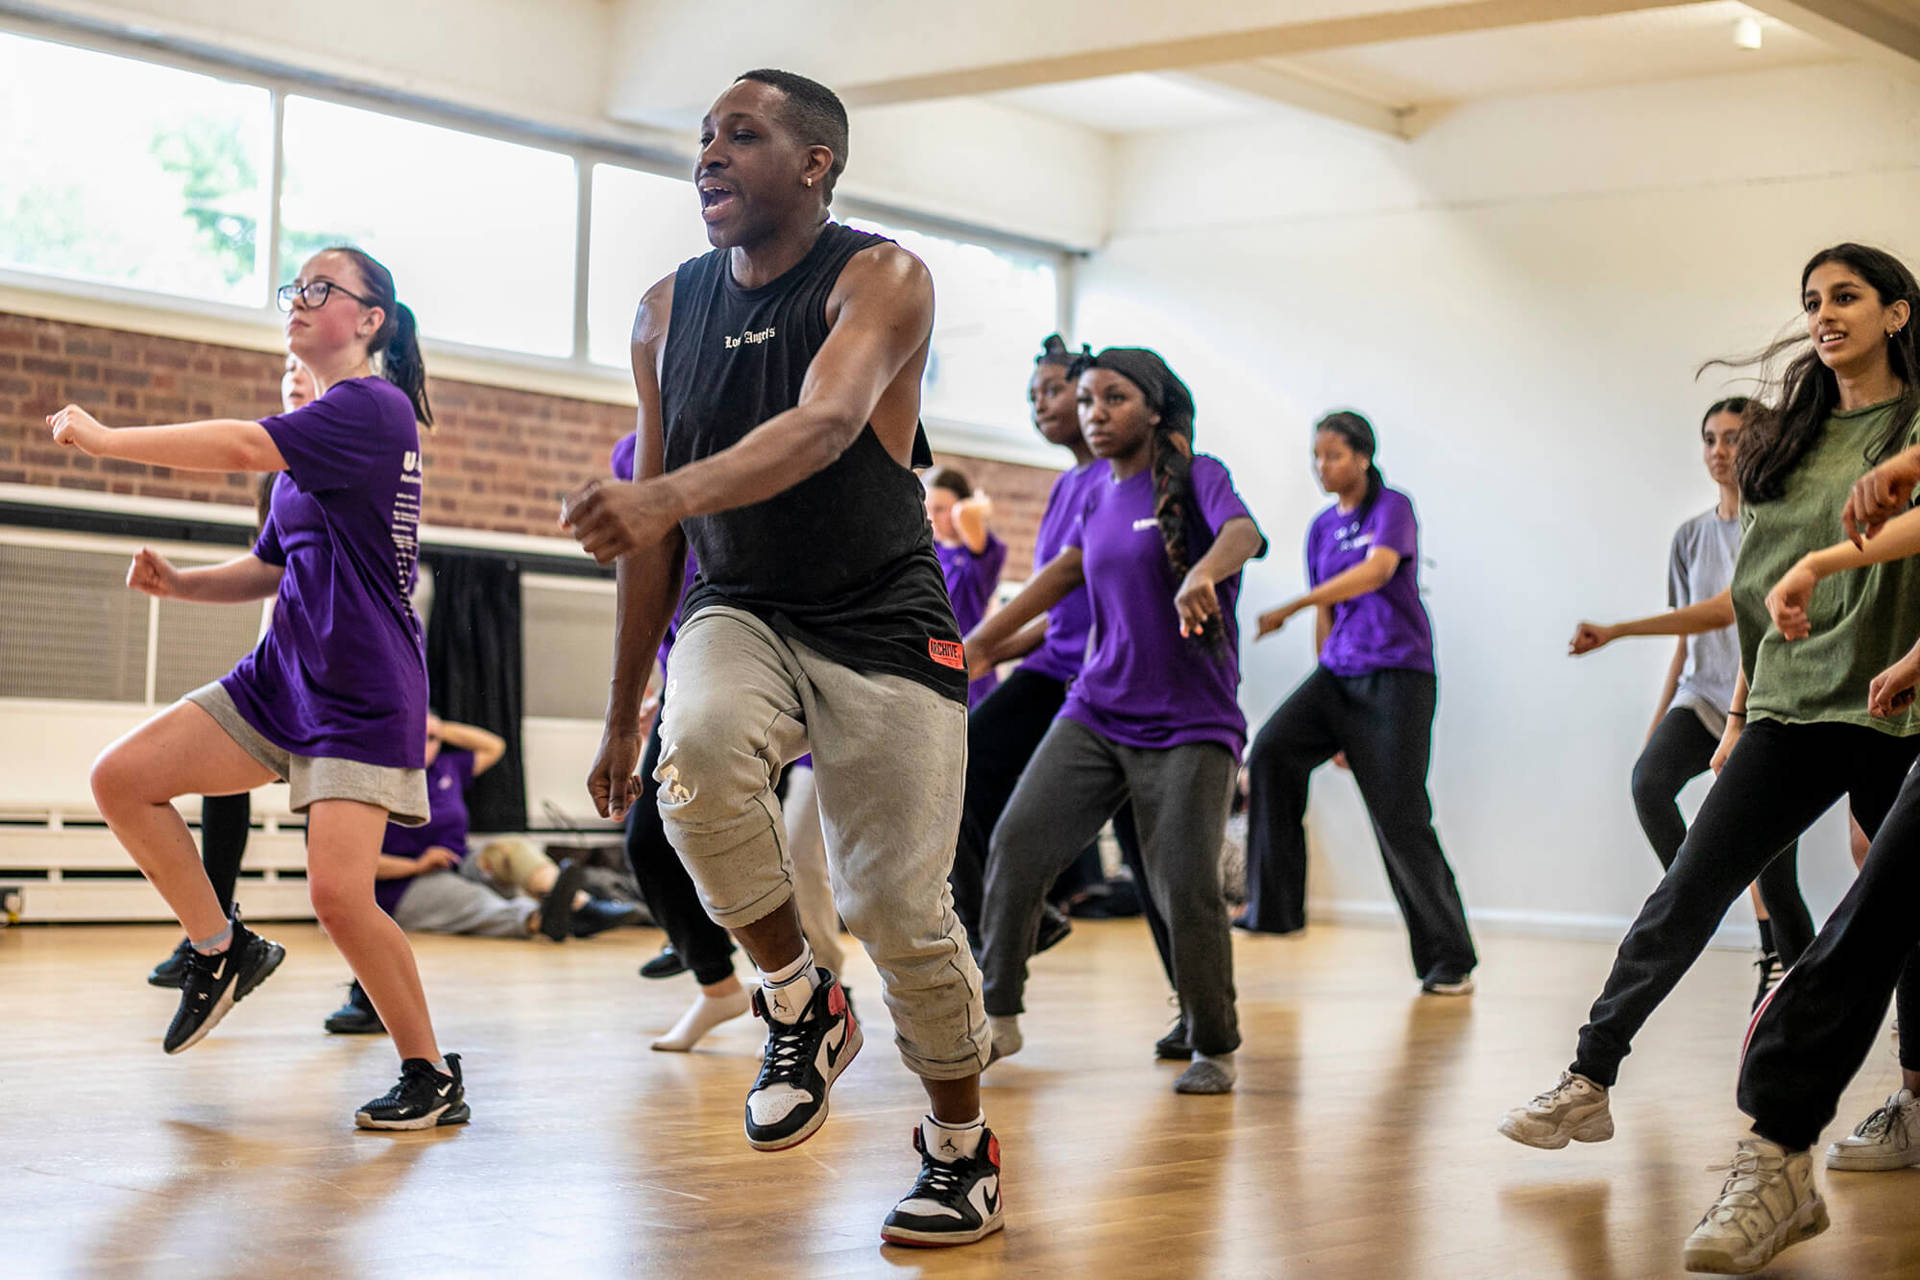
(1788, 417)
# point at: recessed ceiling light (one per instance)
(1747, 34)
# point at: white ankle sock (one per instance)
(788, 988)
(1224, 1061)
(703, 1015)
(950, 1142)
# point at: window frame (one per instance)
(259, 325)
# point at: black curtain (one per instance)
(474, 671)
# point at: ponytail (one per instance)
(397, 342)
(402, 365)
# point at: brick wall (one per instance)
(497, 460)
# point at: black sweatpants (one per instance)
(1384, 723)
(704, 946)
(224, 824)
(1813, 1033)
(1679, 751)
(1779, 778)
(1003, 732)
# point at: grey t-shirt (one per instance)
(1700, 568)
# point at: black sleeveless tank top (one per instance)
(842, 562)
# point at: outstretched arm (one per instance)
(1370, 574)
(988, 644)
(1197, 602)
(884, 318)
(222, 444)
(1695, 619)
(1897, 539)
(238, 580)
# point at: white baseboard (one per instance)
(1731, 936)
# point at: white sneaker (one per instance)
(1887, 1139)
(1574, 1110)
(1767, 1203)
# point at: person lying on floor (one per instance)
(511, 889)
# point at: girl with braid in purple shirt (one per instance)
(334, 699)
(1153, 715)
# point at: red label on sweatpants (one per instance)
(948, 653)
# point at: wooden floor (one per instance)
(1360, 1143)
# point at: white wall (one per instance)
(1518, 300)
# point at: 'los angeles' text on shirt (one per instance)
(747, 339)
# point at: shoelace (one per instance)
(942, 1182)
(786, 1058)
(409, 1075)
(1545, 1101)
(1741, 1191)
(206, 968)
(1878, 1125)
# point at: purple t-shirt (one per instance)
(342, 670)
(1382, 630)
(623, 470)
(448, 778)
(971, 577)
(1144, 685)
(1061, 654)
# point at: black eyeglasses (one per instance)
(315, 295)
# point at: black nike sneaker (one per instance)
(424, 1099)
(172, 971)
(214, 984)
(556, 909)
(799, 1065)
(954, 1201)
(357, 1017)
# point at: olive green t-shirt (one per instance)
(1863, 620)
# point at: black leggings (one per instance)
(1812, 1035)
(1679, 751)
(706, 948)
(1384, 722)
(224, 824)
(1779, 778)
(1003, 732)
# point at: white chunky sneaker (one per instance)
(1887, 1139)
(1767, 1204)
(1574, 1110)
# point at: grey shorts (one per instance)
(401, 792)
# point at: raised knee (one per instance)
(706, 781)
(335, 899)
(116, 780)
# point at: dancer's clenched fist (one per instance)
(153, 574)
(77, 429)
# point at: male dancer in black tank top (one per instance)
(779, 386)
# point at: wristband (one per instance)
(1737, 715)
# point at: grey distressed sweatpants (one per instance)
(889, 759)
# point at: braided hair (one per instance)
(1171, 458)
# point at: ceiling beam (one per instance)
(1868, 29)
(1410, 22)
(1267, 84)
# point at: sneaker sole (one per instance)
(458, 1113)
(855, 1040)
(1807, 1222)
(1591, 1131)
(233, 995)
(911, 1239)
(1844, 1161)
(1449, 989)
(354, 1029)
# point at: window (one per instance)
(644, 225)
(478, 233)
(127, 173)
(992, 309)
